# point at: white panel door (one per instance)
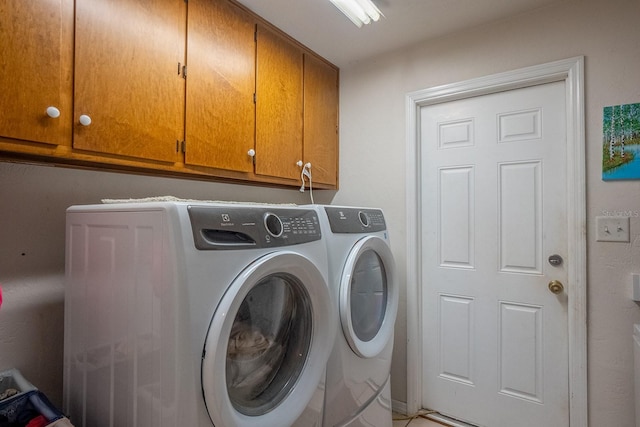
(494, 210)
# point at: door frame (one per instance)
(571, 71)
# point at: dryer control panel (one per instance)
(355, 220)
(248, 227)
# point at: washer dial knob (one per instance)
(364, 218)
(273, 224)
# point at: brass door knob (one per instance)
(556, 287)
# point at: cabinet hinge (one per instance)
(181, 146)
(184, 71)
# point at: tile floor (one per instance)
(400, 420)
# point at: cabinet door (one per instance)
(128, 77)
(220, 118)
(36, 64)
(278, 106)
(321, 119)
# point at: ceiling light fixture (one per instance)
(358, 11)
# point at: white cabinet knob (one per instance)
(299, 163)
(53, 112)
(251, 152)
(85, 120)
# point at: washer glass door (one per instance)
(368, 297)
(268, 343)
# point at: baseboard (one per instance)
(399, 407)
(442, 419)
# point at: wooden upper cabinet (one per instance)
(113, 73)
(220, 113)
(278, 105)
(128, 59)
(36, 63)
(321, 119)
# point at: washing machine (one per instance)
(362, 279)
(196, 314)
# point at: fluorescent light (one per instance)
(358, 11)
(370, 9)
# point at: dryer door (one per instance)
(268, 343)
(369, 297)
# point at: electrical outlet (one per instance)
(612, 229)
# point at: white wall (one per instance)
(373, 157)
(33, 200)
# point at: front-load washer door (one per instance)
(368, 297)
(268, 343)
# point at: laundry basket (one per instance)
(21, 403)
(12, 379)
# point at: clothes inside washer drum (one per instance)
(252, 360)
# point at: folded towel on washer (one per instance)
(177, 199)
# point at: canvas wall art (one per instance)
(621, 142)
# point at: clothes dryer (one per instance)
(362, 278)
(193, 314)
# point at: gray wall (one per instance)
(373, 157)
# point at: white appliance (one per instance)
(194, 314)
(362, 278)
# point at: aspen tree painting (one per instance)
(621, 142)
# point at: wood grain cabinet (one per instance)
(279, 108)
(296, 110)
(321, 119)
(220, 109)
(145, 86)
(36, 77)
(129, 89)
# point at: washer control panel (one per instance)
(355, 220)
(248, 227)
